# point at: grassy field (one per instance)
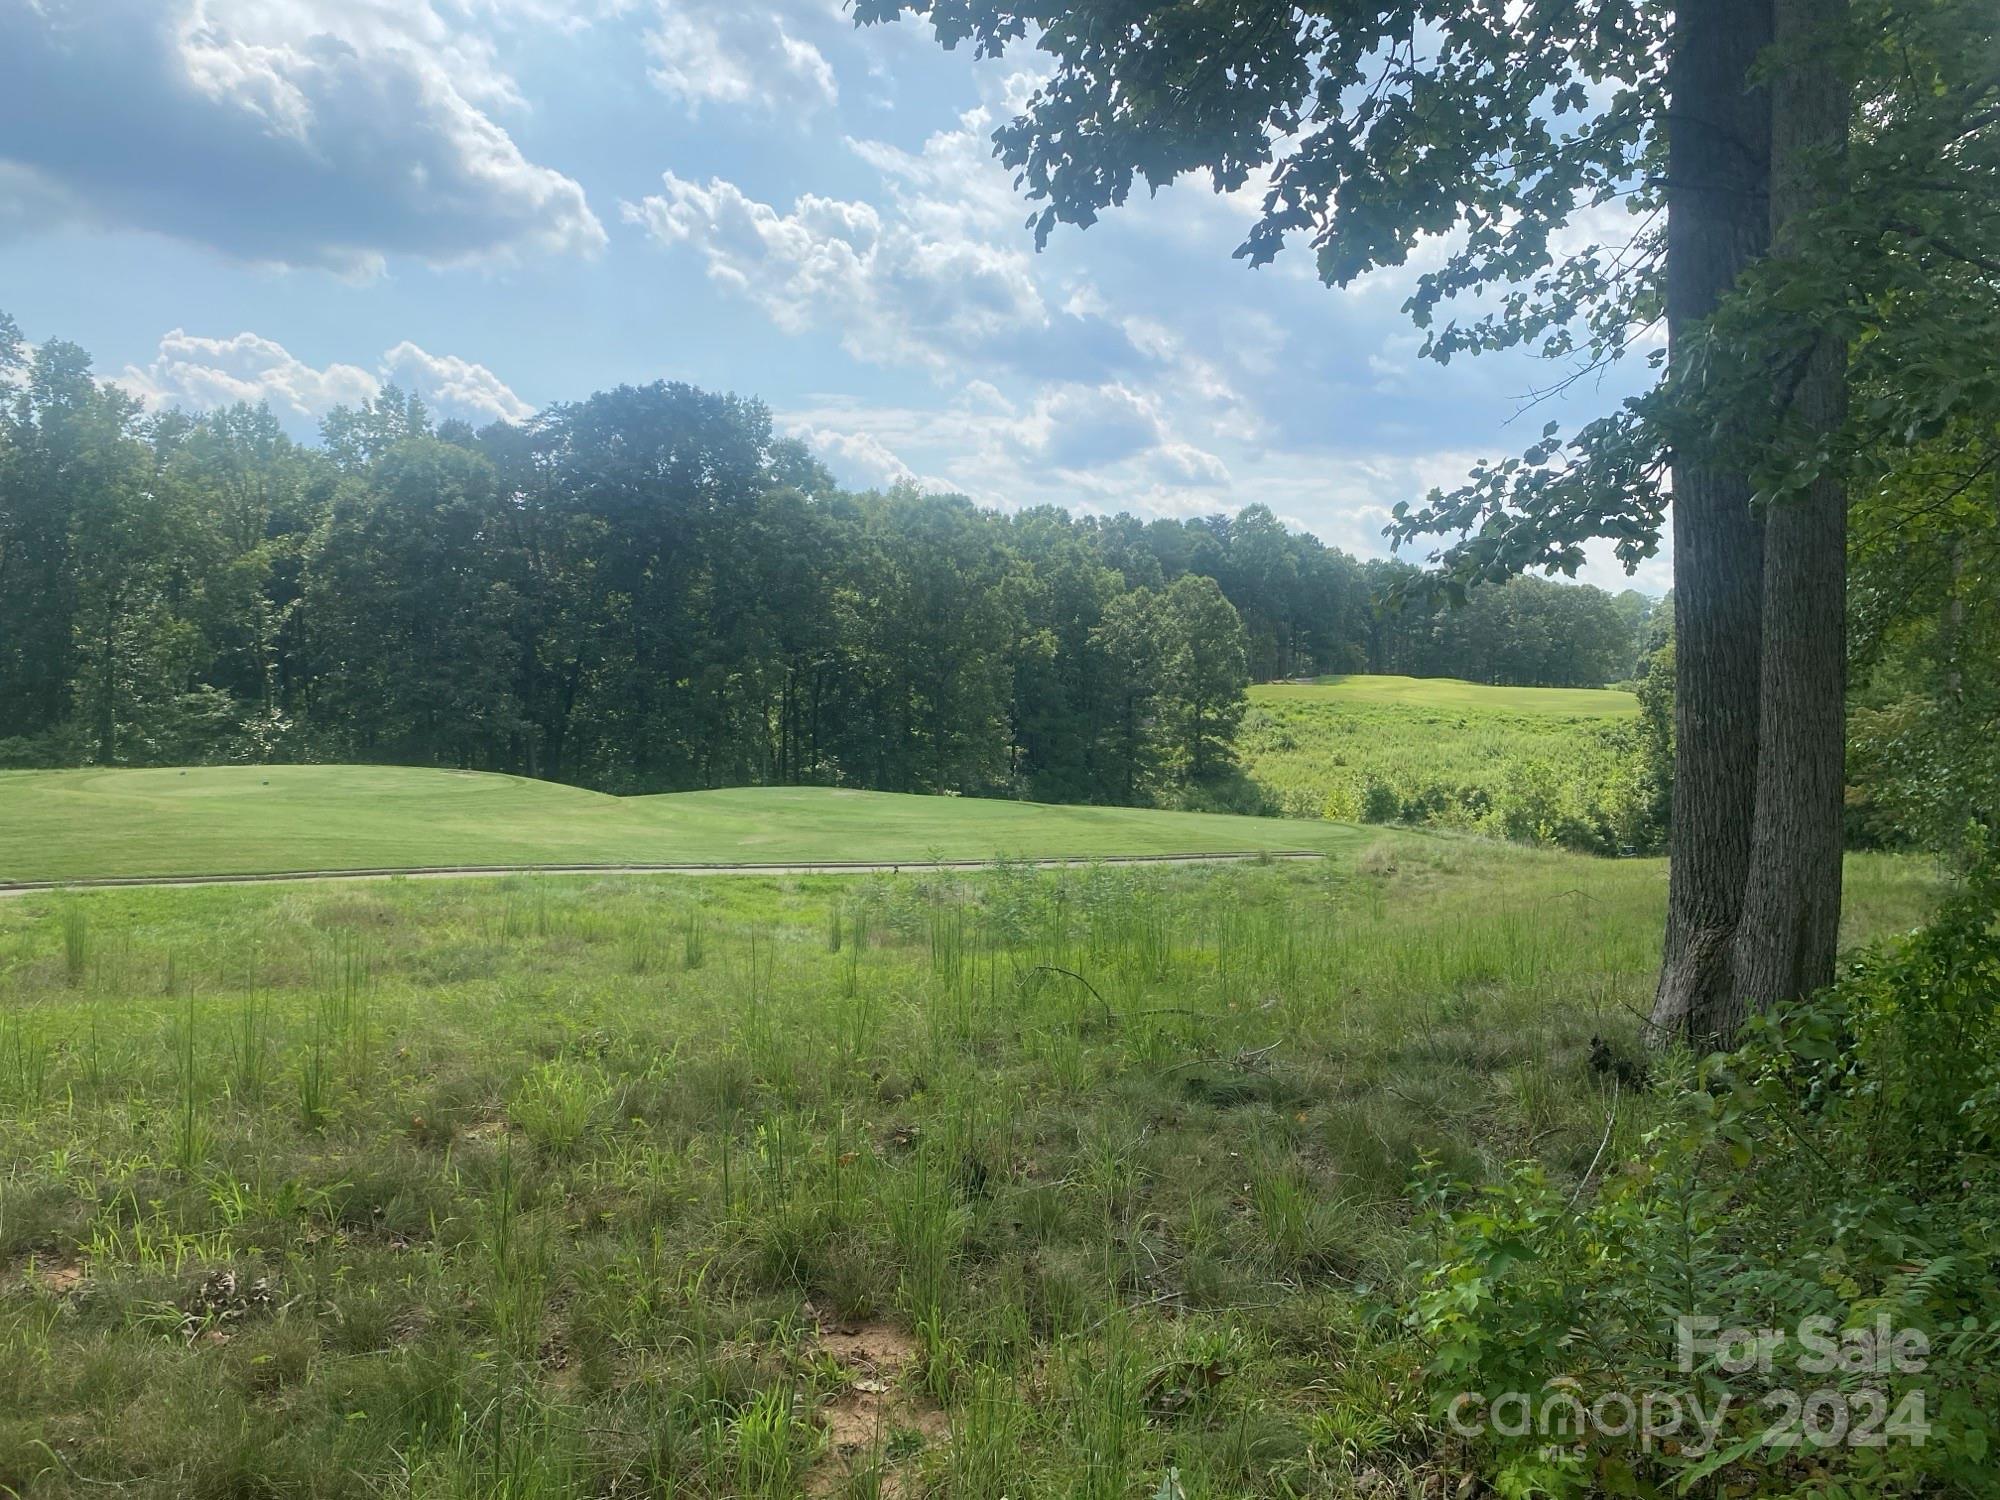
(1546, 765)
(64, 825)
(1083, 1183)
(1449, 694)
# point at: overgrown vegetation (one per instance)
(1924, 720)
(1582, 776)
(1088, 1183)
(1836, 1177)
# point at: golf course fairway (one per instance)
(239, 820)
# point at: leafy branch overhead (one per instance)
(1513, 140)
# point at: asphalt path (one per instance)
(474, 872)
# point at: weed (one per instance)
(543, 1218)
(76, 942)
(192, 1135)
(692, 950)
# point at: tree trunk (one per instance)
(1791, 922)
(1718, 168)
(107, 697)
(1951, 629)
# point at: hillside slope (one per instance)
(1547, 765)
(67, 825)
(1453, 695)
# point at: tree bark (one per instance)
(1718, 167)
(1790, 931)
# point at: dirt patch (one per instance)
(876, 1417)
(57, 1276)
(870, 1348)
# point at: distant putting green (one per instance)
(1450, 694)
(74, 825)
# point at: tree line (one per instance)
(651, 590)
(1814, 196)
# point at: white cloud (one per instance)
(936, 272)
(1183, 463)
(997, 456)
(327, 133)
(857, 458)
(1199, 384)
(457, 387)
(952, 185)
(893, 293)
(727, 52)
(1080, 427)
(202, 373)
(1097, 448)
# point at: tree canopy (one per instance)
(1812, 190)
(651, 590)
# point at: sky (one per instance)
(504, 204)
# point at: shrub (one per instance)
(1841, 1165)
(1587, 781)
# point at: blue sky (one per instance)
(508, 203)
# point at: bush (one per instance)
(1585, 781)
(65, 745)
(1840, 1166)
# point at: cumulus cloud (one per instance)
(1186, 465)
(1096, 447)
(997, 453)
(858, 458)
(202, 373)
(894, 293)
(325, 133)
(725, 52)
(950, 186)
(457, 387)
(936, 272)
(1088, 427)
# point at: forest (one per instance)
(652, 590)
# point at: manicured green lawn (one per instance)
(64, 825)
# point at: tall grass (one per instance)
(75, 942)
(192, 1135)
(693, 950)
(1103, 1168)
(1581, 780)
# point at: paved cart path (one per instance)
(469, 872)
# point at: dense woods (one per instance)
(650, 590)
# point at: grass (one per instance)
(1016, 1183)
(67, 825)
(1549, 765)
(1451, 694)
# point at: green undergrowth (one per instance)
(568, 1186)
(1790, 1289)
(1567, 767)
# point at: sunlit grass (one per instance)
(75, 825)
(559, 1186)
(1551, 765)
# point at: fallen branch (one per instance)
(1610, 1123)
